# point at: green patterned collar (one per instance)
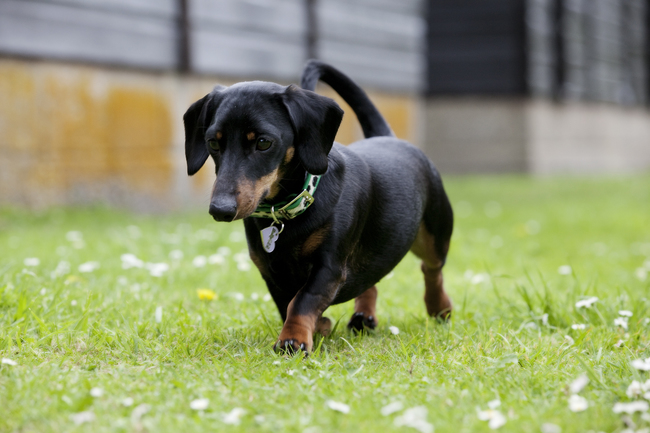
(294, 205)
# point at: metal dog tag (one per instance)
(269, 236)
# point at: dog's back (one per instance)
(408, 188)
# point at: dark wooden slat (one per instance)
(184, 42)
(311, 38)
(476, 47)
(647, 51)
(559, 61)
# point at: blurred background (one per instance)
(92, 92)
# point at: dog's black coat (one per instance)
(369, 207)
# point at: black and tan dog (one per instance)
(324, 222)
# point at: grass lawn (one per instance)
(88, 345)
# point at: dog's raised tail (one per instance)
(372, 122)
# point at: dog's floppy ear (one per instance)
(315, 119)
(195, 120)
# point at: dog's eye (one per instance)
(263, 144)
(214, 144)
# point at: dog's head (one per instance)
(253, 131)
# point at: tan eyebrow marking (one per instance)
(219, 135)
(250, 136)
(289, 155)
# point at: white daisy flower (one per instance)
(76, 239)
(631, 407)
(199, 404)
(415, 417)
(564, 270)
(394, 330)
(74, 236)
(494, 417)
(548, 427)
(61, 269)
(579, 384)
(7, 361)
(391, 408)
(480, 278)
(641, 364)
(131, 261)
(577, 403)
(32, 261)
(216, 259)
(176, 255)
(199, 261)
(234, 416)
(96, 392)
(339, 407)
(157, 269)
(158, 314)
(88, 267)
(587, 303)
(621, 321)
(139, 411)
(493, 404)
(578, 326)
(244, 266)
(625, 313)
(635, 389)
(83, 417)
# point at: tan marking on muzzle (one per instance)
(251, 191)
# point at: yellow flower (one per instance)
(206, 294)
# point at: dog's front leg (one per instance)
(306, 307)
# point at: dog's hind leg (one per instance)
(433, 252)
(365, 316)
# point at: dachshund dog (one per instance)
(324, 222)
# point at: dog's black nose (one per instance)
(223, 209)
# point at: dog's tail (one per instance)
(372, 122)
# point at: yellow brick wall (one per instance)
(83, 134)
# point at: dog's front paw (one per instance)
(295, 336)
(359, 321)
(290, 347)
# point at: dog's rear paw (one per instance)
(359, 321)
(324, 326)
(290, 347)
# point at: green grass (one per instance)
(509, 339)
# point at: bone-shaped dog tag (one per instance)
(269, 236)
